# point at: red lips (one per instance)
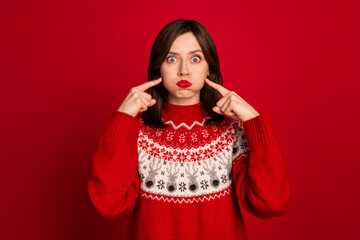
(183, 83)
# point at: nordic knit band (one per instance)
(187, 181)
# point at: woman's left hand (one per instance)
(232, 104)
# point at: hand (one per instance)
(137, 100)
(232, 104)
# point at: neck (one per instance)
(184, 101)
(184, 113)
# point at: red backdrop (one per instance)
(68, 64)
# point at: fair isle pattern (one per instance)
(240, 145)
(195, 169)
(183, 136)
(148, 145)
(187, 200)
(185, 179)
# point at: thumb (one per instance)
(217, 110)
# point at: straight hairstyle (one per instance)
(160, 49)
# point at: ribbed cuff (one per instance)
(259, 130)
(122, 125)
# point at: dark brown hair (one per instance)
(161, 47)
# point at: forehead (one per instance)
(185, 43)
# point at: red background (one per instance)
(66, 65)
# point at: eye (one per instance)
(197, 57)
(171, 60)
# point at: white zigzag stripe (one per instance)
(185, 125)
(197, 199)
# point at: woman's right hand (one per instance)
(137, 100)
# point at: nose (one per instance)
(183, 69)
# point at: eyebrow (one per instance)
(194, 51)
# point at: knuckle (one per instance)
(139, 102)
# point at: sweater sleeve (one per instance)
(260, 170)
(113, 183)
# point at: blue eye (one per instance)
(174, 59)
(171, 58)
(198, 58)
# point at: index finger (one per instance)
(143, 87)
(218, 87)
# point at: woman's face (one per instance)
(185, 61)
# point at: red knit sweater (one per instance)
(187, 181)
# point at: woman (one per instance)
(182, 152)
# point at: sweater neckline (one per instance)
(184, 112)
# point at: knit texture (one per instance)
(187, 181)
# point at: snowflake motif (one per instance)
(155, 152)
(169, 136)
(182, 138)
(194, 137)
(167, 155)
(144, 167)
(205, 133)
(182, 174)
(161, 184)
(208, 153)
(218, 147)
(158, 133)
(204, 184)
(223, 178)
(220, 168)
(202, 173)
(182, 186)
(162, 172)
(142, 177)
(143, 144)
(244, 145)
(193, 156)
(182, 156)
